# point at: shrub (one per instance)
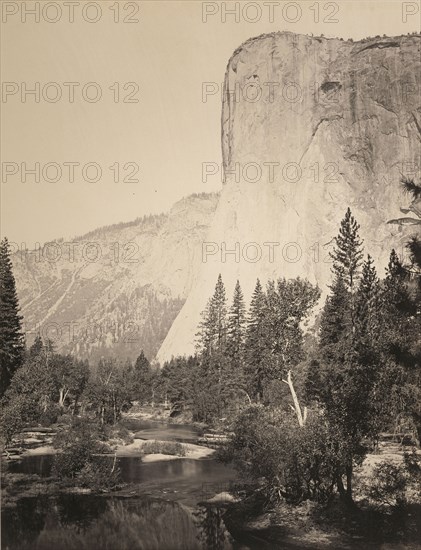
(290, 462)
(65, 420)
(412, 463)
(80, 459)
(388, 485)
(118, 432)
(15, 414)
(164, 447)
(394, 484)
(99, 474)
(49, 415)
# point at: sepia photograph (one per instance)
(210, 275)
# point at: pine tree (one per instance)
(37, 347)
(141, 376)
(347, 255)
(395, 268)
(219, 307)
(339, 316)
(213, 327)
(396, 296)
(349, 367)
(368, 305)
(236, 328)
(211, 344)
(12, 346)
(335, 322)
(142, 364)
(400, 344)
(255, 344)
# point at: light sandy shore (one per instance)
(135, 449)
(43, 450)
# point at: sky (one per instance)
(133, 138)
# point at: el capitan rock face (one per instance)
(310, 126)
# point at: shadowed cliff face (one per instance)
(310, 126)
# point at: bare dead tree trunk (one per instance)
(247, 395)
(341, 487)
(296, 407)
(349, 482)
(114, 462)
(62, 397)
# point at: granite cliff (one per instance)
(310, 126)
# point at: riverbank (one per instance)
(311, 526)
(137, 449)
(127, 439)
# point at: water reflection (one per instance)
(187, 480)
(145, 521)
(213, 533)
(71, 522)
(37, 464)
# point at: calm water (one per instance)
(162, 513)
(185, 480)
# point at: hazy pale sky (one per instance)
(169, 132)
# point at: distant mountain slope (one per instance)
(117, 289)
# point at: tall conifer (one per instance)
(236, 328)
(255, 344)
(11, 336)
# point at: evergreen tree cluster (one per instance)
(365, 373)
(240, 353)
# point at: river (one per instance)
(160, 510)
